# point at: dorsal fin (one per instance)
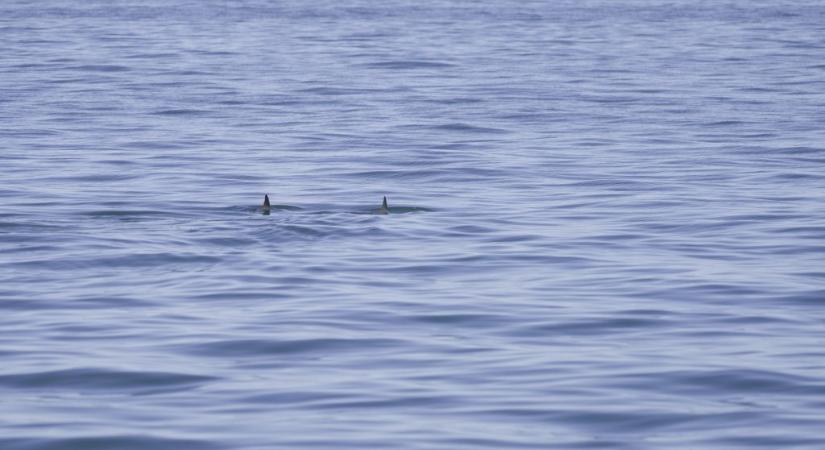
(384, 205)
(265, 208)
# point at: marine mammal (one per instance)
(266, 208)
(384, 209)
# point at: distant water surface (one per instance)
(607, 225)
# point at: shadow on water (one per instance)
(274, 209)
(125, 442)
(131, 212)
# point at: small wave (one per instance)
(409, 209)
(457, 101)
(181, 112)
(133, 215)
(119, 442)
(466, 128)
(151, 55)
(724, 123)
(388, 403)
(18, 301)
(269, 347)
(332, 91)
(275, 208)
(409, 65)
(97, 177)
(100, 68)
(812, 297)
(154, 145)
(100, 380)
(724, 381)
(152, 260)
(598, 327)
(628, 421)
(466, 319)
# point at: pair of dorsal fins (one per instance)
(385, 209)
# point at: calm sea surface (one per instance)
(606, 228)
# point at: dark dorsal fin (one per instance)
(266, 200)
(384, 205)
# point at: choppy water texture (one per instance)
(606, 230)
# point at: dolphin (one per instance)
(265, 208)
(384, 209)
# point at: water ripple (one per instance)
(604, 225)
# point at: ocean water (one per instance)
(606, 228)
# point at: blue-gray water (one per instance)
(607, 225)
